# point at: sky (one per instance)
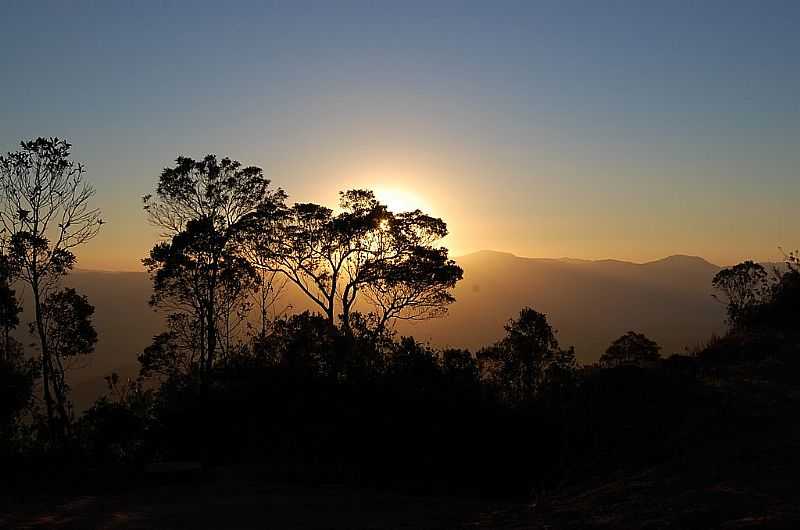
(629, 130)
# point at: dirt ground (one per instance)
(651, 501)
(228, 505)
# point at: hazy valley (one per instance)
(590, 303)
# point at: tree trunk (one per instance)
(264, 315)
(60, 388)
(348, 300)
(346, 320)
(211, 325)
(211, 340)
(6, 343)
(46, 364)
(330, 313)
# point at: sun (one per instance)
(400, 200)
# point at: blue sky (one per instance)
(589, 129)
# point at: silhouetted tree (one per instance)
(744, 287)
(313, 246)
(67, 320)
(9, 310)
(630, 349)
(113, 428)
(207, 210)
(561, 376)
(519, 363)
(786, 294)
(365, 247)
(46, 211)
(17, 374)
(303, 343)
(413, 366)
(266, 300)
(17, 379)
(781, 312)
(415, 287)
(369, 347)
(177, 351)
(460, 366)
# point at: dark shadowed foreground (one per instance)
(749, 485)
(330, 420)
(221, 502)
(710, 440)
(733, 466)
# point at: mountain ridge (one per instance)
(589, 302)
(500, 254)
(672, 258)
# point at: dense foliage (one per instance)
(337, 396)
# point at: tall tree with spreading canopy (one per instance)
(207, 211)
(365, 248)
(46, 212)
(410, 278)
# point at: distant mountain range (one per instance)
(590, 303)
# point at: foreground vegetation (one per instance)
(336, 397)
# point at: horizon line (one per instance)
(497, 252)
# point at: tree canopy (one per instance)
(630, 349)
(207, 210)
(365, 248)
(744, 287)
(521, 362)
(46, 212)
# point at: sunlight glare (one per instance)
(399, 200)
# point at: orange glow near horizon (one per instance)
(401, 200)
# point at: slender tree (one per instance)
(266, 299)
(46, 212)
(206, 210)
(176, 351)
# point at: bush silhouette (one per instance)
(631, 349)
